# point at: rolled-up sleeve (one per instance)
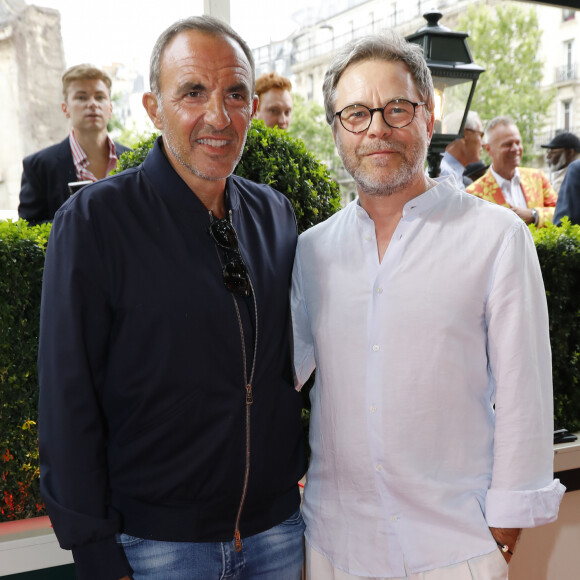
(523, 492)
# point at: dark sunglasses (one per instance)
(235, 273)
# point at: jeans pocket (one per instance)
(294, 520)
(126, 540)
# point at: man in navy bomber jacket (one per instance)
(170, 433)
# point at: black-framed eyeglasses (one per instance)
(397, 114)
(235, 272)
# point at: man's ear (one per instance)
(430, 126)
(153, 110)
(255, 102)
(64, 109)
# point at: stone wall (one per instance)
(31, 65)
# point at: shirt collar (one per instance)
(420, 204)
(502, 182)
(81, 161)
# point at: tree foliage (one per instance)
(505, 41)
(309, 124)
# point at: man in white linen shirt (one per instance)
(421, 307)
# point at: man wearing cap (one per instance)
(524, 190)
(562, 150)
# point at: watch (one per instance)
(504, 548)
(535, 216)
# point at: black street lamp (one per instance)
(454, 77)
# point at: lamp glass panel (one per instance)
(448, 49)
(451, 97)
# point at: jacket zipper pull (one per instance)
(237, 541)
(249, 399)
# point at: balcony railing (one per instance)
(566, 73)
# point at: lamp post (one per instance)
(454, 78)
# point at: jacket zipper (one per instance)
(237, 537)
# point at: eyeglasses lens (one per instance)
(235, 273)
(236, 277)
(224, 234)
(397, 114)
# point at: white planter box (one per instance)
(27, 545)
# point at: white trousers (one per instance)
(488, 567)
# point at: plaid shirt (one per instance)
(82, 163)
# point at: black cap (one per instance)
(473, 168)
(564, 140)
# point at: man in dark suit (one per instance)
(569, 197)
(87, 154)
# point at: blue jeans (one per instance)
(276, 554)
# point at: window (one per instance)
(566, 115)
(566, 72)
(568, 57)
(568, 14)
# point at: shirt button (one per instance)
(379, 290)
(379, 467)
(394, 518)
(376, 347)
(373, 409)
(368, 238)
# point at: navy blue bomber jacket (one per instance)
(142, 396)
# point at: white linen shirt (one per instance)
(410, 464)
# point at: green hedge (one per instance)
(22, 251)
(559, 254)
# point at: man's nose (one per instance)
(378, 126)
(216, 114)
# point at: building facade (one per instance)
(561, 55)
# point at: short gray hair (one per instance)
(472, 121)
(504, 120)
(208, 24)
(388, 46)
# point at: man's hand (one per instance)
(125, 578)
(506, 537)
(524, 213)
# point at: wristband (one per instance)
(504, 548)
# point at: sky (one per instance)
(124, 31)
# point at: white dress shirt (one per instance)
(511, 189)
(410, 464)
